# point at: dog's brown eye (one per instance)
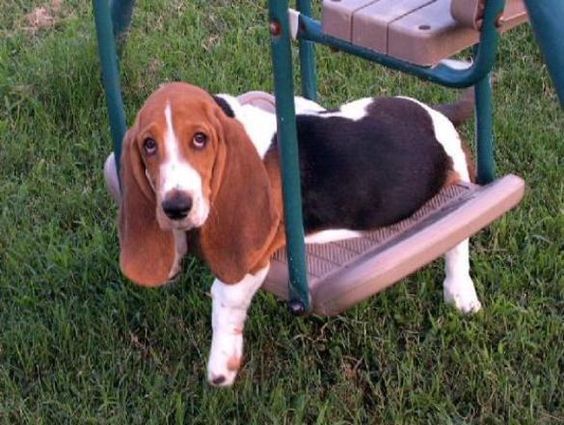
(150, 146)
(200, 140)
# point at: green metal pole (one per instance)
(484, 131)
(121, 16)
(299, 302)
(110, 75)
(307, 57)
(547, 20)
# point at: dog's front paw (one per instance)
(225, 360)
(462, 294)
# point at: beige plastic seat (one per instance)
(343, 273)
(422, 32)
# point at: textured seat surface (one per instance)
(422, 32)
(344, 273)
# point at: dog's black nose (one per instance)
(177, 206)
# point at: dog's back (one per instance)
(365, 170)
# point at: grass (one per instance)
(79, 344)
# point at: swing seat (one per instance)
(422, 32)
(343, 273)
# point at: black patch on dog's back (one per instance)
(369, 173)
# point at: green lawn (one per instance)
(79, 344)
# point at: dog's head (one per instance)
(186, 166)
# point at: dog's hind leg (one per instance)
(458, 287)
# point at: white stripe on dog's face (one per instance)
(176, 172)
(178, 175)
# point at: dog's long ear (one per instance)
(146, 252)
(243, 216)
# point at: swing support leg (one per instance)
(546, 19)
(110, 74)
(299, 299)
(484, 130)
(307, 57)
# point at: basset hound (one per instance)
(202, 173)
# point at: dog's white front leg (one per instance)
(229, 311)
(458, 287)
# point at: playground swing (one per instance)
(412, 36)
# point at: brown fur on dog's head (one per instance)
(234, 214)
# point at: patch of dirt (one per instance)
(43, 17)
(211, 42)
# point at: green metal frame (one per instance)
(546, 17)
(110, 74)
(309, 30)
(113, 17)
(484, 131)
(299, 300)
(307, 57)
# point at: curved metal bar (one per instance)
(310, 29)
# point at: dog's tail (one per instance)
(460, 111)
